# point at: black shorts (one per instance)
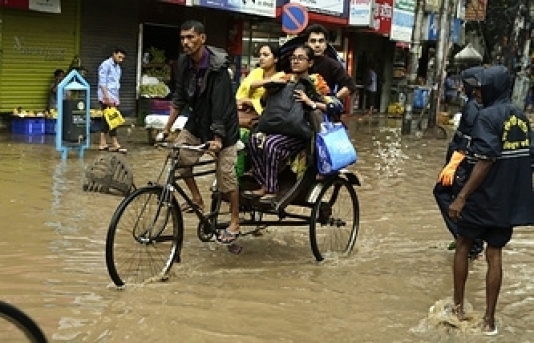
(370, 98)
(495, 237)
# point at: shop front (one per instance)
(35, 41)
(370, 24)
(101, 32)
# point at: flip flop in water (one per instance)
(488, 330)
(227, 237)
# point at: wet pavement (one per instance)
(53, 246)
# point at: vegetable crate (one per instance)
(28, 126)
(50, 126)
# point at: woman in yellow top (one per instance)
(251, 90)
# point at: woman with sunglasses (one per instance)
(270, 151)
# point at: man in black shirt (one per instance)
(337, 78)
(498, 193)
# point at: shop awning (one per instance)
(468, 54)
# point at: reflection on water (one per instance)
(52, 261)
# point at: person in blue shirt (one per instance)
(450, 178)
(109, 77)
(498, 193)
(450, 90)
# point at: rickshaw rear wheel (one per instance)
(335, 219)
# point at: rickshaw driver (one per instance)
(204, 84)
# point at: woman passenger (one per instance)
(270, 152)
(251, 91)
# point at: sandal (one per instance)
(227, 237)
(487, 329)
(103, 148)
(186, 208)
(118, 149)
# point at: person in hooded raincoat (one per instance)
(498, 193)
(447, 185)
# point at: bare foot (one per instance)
(458, 311)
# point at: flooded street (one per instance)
(52, 260)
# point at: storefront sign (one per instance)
(383, 11)
(403, 21)
(433, 5)
(332, 7)
(360, 12)
(433, 29)
(266, 8)
(50, 6)
(476, 10)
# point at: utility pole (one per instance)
(415, 46)
(522, 80)
(441, 57)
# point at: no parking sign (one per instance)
(294, 18)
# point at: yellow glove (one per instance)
(446, 177)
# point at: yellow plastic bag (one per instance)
(113, 117)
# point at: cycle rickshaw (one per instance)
(146, 245)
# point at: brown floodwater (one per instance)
(391, 289)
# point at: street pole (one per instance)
(441, 58)
(415, 46)
(521, 84)
(415, 53)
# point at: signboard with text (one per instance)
(382, 14)
(433, 29)
(476, 10)
(330, 7)
(266, 8)
(49, 6)
(360, 12)
(403, 21)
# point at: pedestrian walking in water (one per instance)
(498, 193)
(452, 177)
(109, 77)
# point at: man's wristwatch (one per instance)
(313, 105)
